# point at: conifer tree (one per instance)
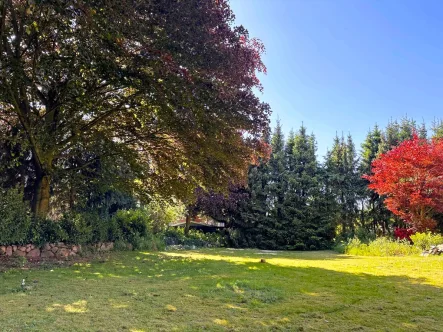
(304, 203)
(343, 183)
(376, 215)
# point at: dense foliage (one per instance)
(286, 208)
(14, 217)
(108, 109)
(293, 201)
(150, 97)
(410, 176)
(384, 246)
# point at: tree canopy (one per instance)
(410, 176)
(161, 90)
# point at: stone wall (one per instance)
(50, 250)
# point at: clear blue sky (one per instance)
(344, 65)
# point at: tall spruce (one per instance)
(277, 187)
(303, 201)
(343, 183)
(375, 215)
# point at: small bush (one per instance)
(364, 235)
(176, 236)
(424, 241)
(78, 230)
(148, 242)
(103, 229)
(120, 245)
(44, 230)
(133, 224)
(15, 220)
(403, 233)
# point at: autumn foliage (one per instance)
(411, 178)
(403, 233)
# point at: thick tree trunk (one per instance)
(188, 224)
(40, 206)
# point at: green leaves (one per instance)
(152, 85)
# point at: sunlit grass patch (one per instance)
(219, 289)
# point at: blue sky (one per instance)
(345, 65)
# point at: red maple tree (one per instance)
(411, 178)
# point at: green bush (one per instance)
(45, 230)
(381, 247)
(424, 241)
(15, 220)
(134, 227)
(103, 229)
(364, 235)
(176, 236)
(121, 245)
(162, 213)
(78, 230)
(133, 223)
(149, 242)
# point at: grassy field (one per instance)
(227, 290)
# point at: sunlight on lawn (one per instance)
(221, 289)
(412, 267)
(76, 307)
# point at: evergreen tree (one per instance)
(437, 129)
(390, 137)
(303, 204)
(375, 216)
(276, 190)
(422, 131)
(343, 183)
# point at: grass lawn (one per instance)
(220, 289)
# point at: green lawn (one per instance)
(220, 289)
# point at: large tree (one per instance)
(411, 178)
(163, 87)
(375, 216)
(343, 183)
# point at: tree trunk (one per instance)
(188, 224)
(40, 206)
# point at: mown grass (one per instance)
(227, 290)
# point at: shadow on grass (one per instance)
(142, 291)
(254, 253)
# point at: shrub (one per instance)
(133, 223)
(103, 228)
(45, 230)
(121, 245)
(424, 241)
(381, 247)
(403, 233)
(176, 236)
(149, 242)
(162, 213)
(364, 235)
(78, 230)
(15, 220)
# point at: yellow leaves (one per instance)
(32, 27)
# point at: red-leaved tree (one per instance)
(411, 178)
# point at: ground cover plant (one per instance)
(226, 290)
(413, 245)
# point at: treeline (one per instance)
(296, 201)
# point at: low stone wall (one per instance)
(50, 250)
